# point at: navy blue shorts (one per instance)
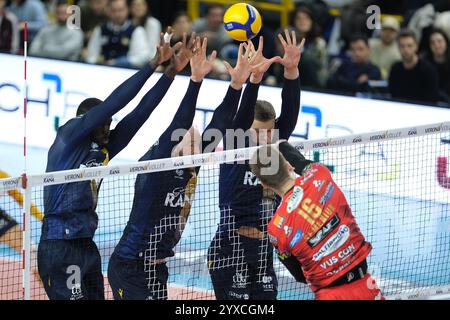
(242, 269)
(71, 269)
(136, 280)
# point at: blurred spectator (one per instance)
(57, 40)
(384, 50)
(9, 33)
(353, 76)
(412, 78)
(212, 27)
(92, 15)
(32, 11)
(313, 64)
(438, 54)
(181, 23)
(141, 17)
(118, 42)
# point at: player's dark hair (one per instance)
(406, 33)
(87, 105)
(270, 166)
(264, 111)
(359, 37)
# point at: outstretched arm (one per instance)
(225, 113)
(290, 95)
(185, 115)
(130, 125)
(260, 64)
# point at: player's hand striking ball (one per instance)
(258, 62)
(240, 73)
(164, 51)
(200, 64)
(292, 54)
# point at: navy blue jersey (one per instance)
(154, 222)
(240, 192)
(70, 207)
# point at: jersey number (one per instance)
(309, 211)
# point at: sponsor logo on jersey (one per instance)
(179, 174)
(176, 198)
(250, 179)
(273, 239)
(327, 194)
(278, 221)
(341, 256)
(332, 244)
(318, 184)
(239, 280)
(287, 231)
(283, 255)
(296, 238)
(295, 199)
(324, 231)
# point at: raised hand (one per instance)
(180, 60)
(292, 54)
(240, 73)
(259, 64)
(200, 64)
(164, 51)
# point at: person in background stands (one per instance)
(438, 54)
(93, 14)
(384, 50)
(118, 42)
(353, 76)
(412, 78)
(9, 33)
(57, 40)
(212, 27)
(141, 17)
(31, 11)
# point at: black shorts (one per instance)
(6, 222)
(136, 280)
(242, 269)
(71, 269)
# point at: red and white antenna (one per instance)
(26, 228)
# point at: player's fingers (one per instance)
(261, 44)
(288, 37)
(276, 59)
(239, 58)
(228, 67)
(204, 45)
(184, 39)
(302, 43)
(294, 38)
(282, 41)
(213, 56)
(161, 38)
(177, 46)
(247, 53)
(192, 41)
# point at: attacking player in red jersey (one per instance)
(313, 230)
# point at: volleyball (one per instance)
(242, 21)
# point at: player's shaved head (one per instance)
(264, 111)
(87, 105)
(270, 166)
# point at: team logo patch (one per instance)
(332, 244)
(295, 199)
(296, 238)
(324, 231)
(287, 231)
(278, 221)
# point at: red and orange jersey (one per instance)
(315, 224)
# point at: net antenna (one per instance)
(27, 201)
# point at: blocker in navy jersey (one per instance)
(70, 219)
(152, 231)
(243, 203)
